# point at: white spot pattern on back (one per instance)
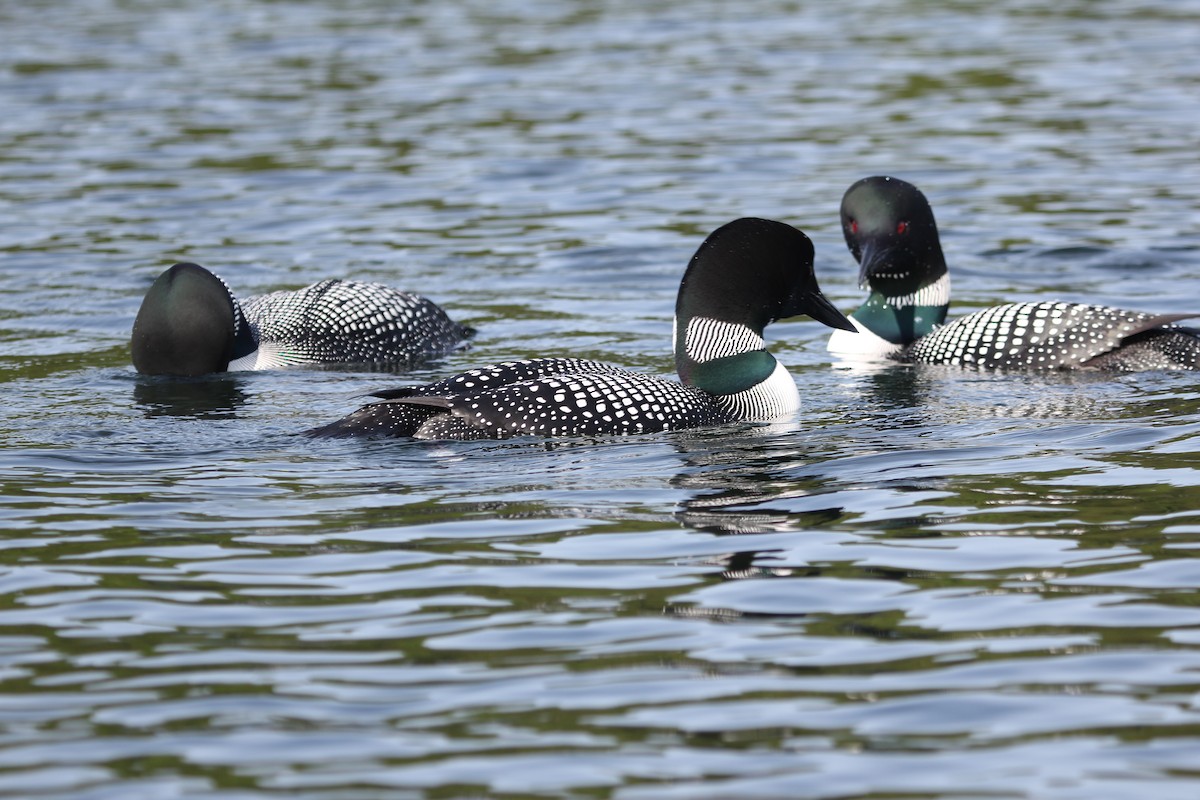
(1043, 335)
(580, 403)
(558, 397)
(346, 321)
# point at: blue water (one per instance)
(931, 583)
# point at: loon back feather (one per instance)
(1039, 335)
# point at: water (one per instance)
(933, 583)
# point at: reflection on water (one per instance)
(209, 397)
(920, 394)
(932, 583)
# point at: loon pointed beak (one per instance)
(817, 306)
(868, 260)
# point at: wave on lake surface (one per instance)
(932, 582)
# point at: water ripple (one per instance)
(932, 582)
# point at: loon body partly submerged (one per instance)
(190, 323)
(889, 227)
(745, 275)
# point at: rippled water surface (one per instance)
(932, 583)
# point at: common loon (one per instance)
(746, 274)
(889, 228)
(191, 324)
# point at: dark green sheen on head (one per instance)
(890, 230)
(186, 325)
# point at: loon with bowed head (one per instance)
(889, 227)
(191, 324)
(746, 274)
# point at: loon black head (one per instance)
(189, 324)
(746, 274)
(889, 228)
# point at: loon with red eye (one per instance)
(890, 230)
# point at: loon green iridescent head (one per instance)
(189, 324)
(889, 228)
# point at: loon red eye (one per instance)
(853, 226)
(902, 227)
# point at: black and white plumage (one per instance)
(746, 274)
(539, 397)
(889, 228)
(190, 323)
(1050, 335)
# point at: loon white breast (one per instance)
(890, 230)
(190, 323)
(745, 275)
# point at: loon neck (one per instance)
(721, 358)
(904, 319)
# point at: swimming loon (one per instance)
(746, 274)
(191, 324)
(889, 228)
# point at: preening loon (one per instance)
(190, 323)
